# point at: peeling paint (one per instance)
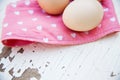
(33, 51)
(11, 71)
(113, 74)
(30, 61)
(1, 65)
(21, 50)
(28, 74)
(5, 52)
(19, 70)
(11, 58)
(48, 62)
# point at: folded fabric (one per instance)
(25, 22)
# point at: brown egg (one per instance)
(53, 6)
(83, 15)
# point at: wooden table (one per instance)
(99, 60)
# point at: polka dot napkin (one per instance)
(25, 22)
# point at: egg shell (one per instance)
(83, 15)
(53, 7)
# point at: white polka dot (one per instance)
(106, 9)
(20, 22)
(39, 27)
(17, 13)
(45, 40)
(100, 25)
(86, 32)
(24, 29)
(60, 37)
(30, 11)
(73, 35)
(9, 33)
(34, 19)
(5, 25)
(53, 25)
(113, 19)
(27, 2)
(48, 16)
(14, 5)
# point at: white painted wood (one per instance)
(92, 61)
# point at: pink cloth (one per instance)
(25, 22)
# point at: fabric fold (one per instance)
(25, 22)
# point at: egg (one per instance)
(53, 7)
(83, 15)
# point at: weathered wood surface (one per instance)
(98, 60)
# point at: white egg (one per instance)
(83, 15)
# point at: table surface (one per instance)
(99, 60)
